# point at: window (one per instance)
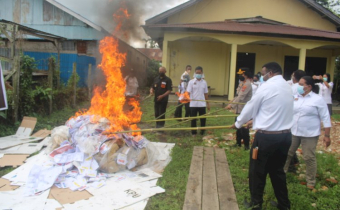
(68, 46)
(81, 47)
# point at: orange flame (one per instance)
(184, 97)
(109, 102)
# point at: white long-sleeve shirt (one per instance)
(294, 88)
(271, 108)
(309, 111)
(326, 92)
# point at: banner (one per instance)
(3, 96)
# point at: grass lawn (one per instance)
(175, 176)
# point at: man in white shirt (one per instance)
(198, 90)
(271, 109)
(297, 75)
(182, 87)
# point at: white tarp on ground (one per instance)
(123, 190)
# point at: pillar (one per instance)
(302, 59)
(232, 70)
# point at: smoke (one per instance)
(101, 12)
(139, 11)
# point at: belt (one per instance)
(274, 132)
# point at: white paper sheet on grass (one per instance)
(11, 141)
(113, 198)
(16, 201)
(27, 148)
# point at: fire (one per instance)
(109, 102)
(184, 97)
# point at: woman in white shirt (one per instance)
(309, 109)
(326, 88)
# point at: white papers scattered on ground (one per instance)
(122, 190)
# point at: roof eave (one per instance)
(266, 34)
(74, 14)
(170, 12)
(324, 12)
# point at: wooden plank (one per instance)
(226, 191)
(209, 194)
(193, 194)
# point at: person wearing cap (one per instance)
(244, 95)
(198, 91)
(161, 88)
(182, 87)
(271, 109)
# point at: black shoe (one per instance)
(236, 145)
(275, 204)
(246, 147)
(249, 205)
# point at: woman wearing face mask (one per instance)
(309, 108)
(326, 88)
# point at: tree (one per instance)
(151, 43)
(332, 5)
(152, 72)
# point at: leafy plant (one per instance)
(26, 99)
(152, 72)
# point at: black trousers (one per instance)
(242, 133)
(160, 109)
(178, 112)
(272, 155)
(194, 112)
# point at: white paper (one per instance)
(41, 178)
(116, 199)
(52, 204)
(122, 159)
(16, 201)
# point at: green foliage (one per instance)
(73, 81)
(26, 99)
(152, 72)
(332, 5)
(42, 93)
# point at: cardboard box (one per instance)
(27, 126)
(22, 135)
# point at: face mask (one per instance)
(241, 78)
(161, 74)
(261, 79)
(198, 76)
(325, 79)
(300, 90)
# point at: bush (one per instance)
(152, 72)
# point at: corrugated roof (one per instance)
(74, 14)
(249, 28)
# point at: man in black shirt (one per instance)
(161, 88)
